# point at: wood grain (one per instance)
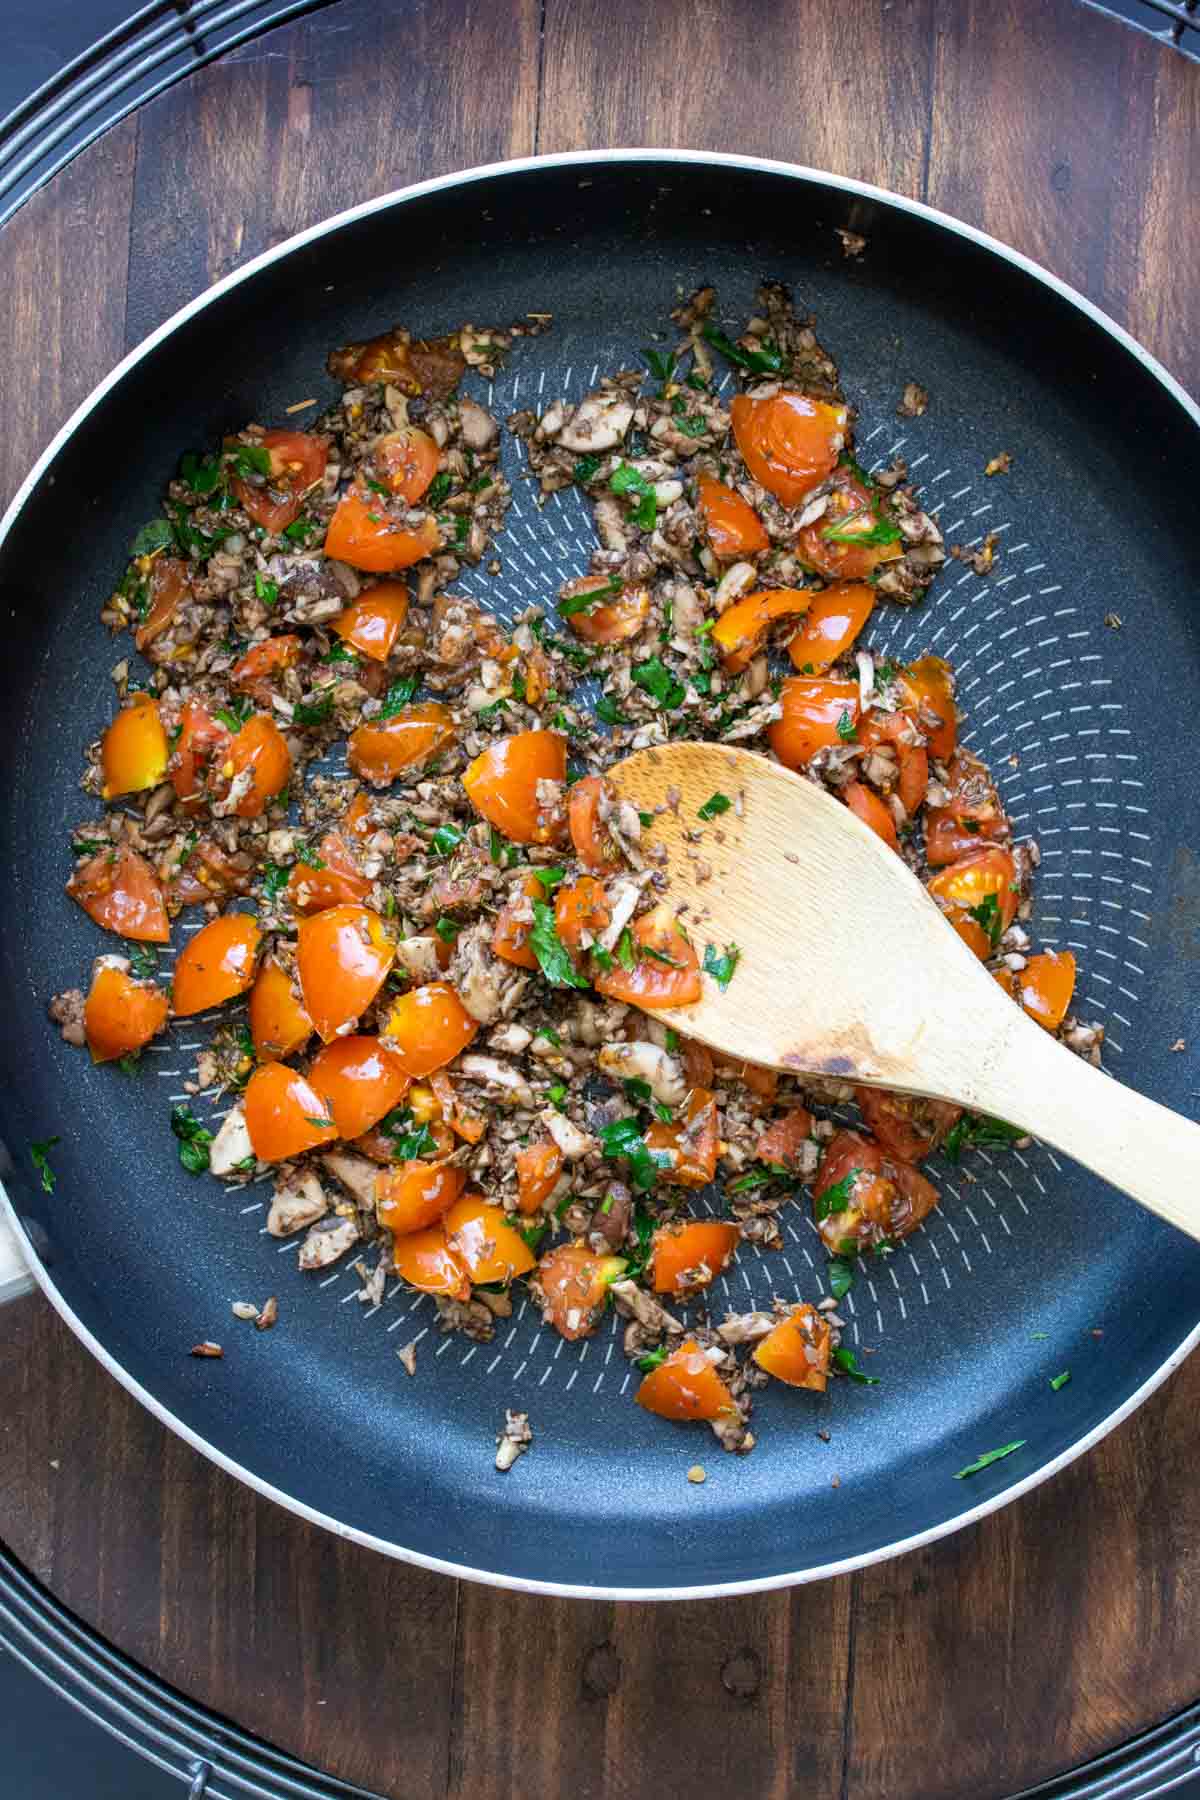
(991, 1660)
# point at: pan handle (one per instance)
(15, 1278)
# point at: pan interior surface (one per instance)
(1030, 1266)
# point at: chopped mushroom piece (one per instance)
(513, 1441)
(231, 1147)
(327, 1241)
(298, 1200)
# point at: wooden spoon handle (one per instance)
(1143, 1148)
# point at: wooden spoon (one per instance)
(848, 969)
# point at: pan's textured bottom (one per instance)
(1029, 1266)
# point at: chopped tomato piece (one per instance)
(121, 1014)
(740, 629)
(691, 1142)
(502, 785)
(862, 1197)
(574, 1284)
(682, 1253)
(481, 1236)
(252, 673)
(372, 623)
(665, 972)
(761, 1082)
(279, 1024)
(406, 462)
(258, 752)
(510, 939)
(969, 930)
(427, 1028)
(733, 526)
(866, 805)
(414, 1195)
(285, 1115)
(120, 891)
(817, 713)
(217, 964)
(383, 749)
(539, 1167)
(298, 461)
(784, 1141)
(594, 844)
(788, 441)
(463, 1121)
(1046, 985)
(364, 535)
(361, 1079)
(357, 817)
(611, 620)
(699, 1064)
(170, 585)
(972, 816)
(686, 1387)
(337, 880)
(901, 734)
(133, 751)
(853, 535)
(342, 958)
(928, 689)
(833, 621)
(202, 743)
(206, 873)
(415, 365)
(581, 907)
(1007, 980)
(907, 1125)
(797, 1351)
(984, 884)
(381, 1146)
(425, 1260)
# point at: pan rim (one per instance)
(336, 222)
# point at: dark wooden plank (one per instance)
(62, 297)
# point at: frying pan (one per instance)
(1087, 725)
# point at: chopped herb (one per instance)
(341, 653)
(194, 1139)
(532, 1235)
(1060, 1381)
(89, 846)
(557, 1094)
(143, 960)
(976, 1129)
(577, 603)
(636, 1089)
(696, 380)
(626, 480)
(447, 929)
(322, 1123)
(275, 879)
(848, 1363)
(650, 954)
(188, 845)
(298, 531)
(587, 468)
(446, 839)
(845, 728)
(502, 854)
(623, 1138)
(841, 1277)
(661, 367)
(757, 1178)
(438, 488)
(766, 361)
(313, 712)
(544, 941)
(886, 672)
(398, 695)
(881, 531)
(550, 878)
(601, 958)
(836, 1199)
(235, 714)
(989, 1457)
(626, 950)
(250, 459)
(653, 1359)
(551, 1036)
(202, 474)
(721, 967)
(40, 1157)
(409, 1140)
(988, 914)
(268, 592)
(715, 804)
(609, 711)
(154, 536)
(492, 711)
(654, 678)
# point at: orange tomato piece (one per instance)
(782, 1142)
(761, 1082)
(202, 743)
(260, 751)
(862, 1197)
(363, 535)
(279, 1024)
(1046, 985)
(594, 844)
(974, 880)
(342, 958)
(463, 1121)
(618, 612)
(972, 815)
(169, 587)
(384, 748)
(406, 462)
(252, 673)
(339, 880)
(539, 1167)
(285, 1115)
(928, 689)
(133, 751)
(574, 1283)
(414, 1195)
(969, 930)
(581, 907)
(120, 891)
(652, 982)
(298, 461)
(678, 1250)
(907, 1125)
(853, 535)
(431, 366)
(217, 964)
(686, 1387)
(425, 1260)
(813, 710)
(1007, 980)
(788, 441)
(510, 939)
(691, 1142)
(357, 817)
(482, 1238)
(206, 873)
(372, 623)
(866, 805)
(902, 735)
(361, 1079)
(121, 1014)
(733, 526)
(832, 623)
(797, 1351)
(502, 785)
(739, 631)
(427, 1028)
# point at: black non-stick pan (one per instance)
(1030, 1267)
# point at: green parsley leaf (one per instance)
(766, 361)
(976, 1129)
(275, 879)
(672, 1039)
(502, 854)
(129, 1062)
(557, 1093)
(880, 531)
(143, 959)
(398, 696)
(550, 878)
(654, 678)
(154, 536)
(609, 711)
(299, 531)
(447, 929)
(267, 591)
(623, 1138)
(250, 459)
(721, 968)
(835, 1199)
(626, 950)
(532, 1235)
(989, 1457)
(438, 488)
(757, 1178)
(341, 653)
(409, 1142)
(848, 1363)
(577, 603)
(845, 728)
(194, 1139)
(89, 846)
(587, 468)
(696, 380)
(1060, 1381)
(636, 1089)
(841, 1277)
(645, 513)
(625, 480)
(988, 914)
(653, 1359)
(547, 946)
(202, 474)
(40, 1157)
(446, 839)
(235, 714)
(714, 805)
(661, 367)
(320, 1121)
(313, 712)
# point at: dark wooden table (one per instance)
(987, 1662)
